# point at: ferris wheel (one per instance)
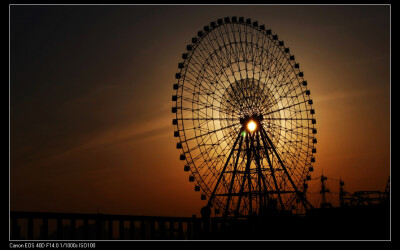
(244, 119)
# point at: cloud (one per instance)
(156, 124)
(349, 94)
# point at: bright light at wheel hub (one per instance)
(251, 123)
(251, 126)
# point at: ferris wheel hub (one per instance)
(251, 126)
(257, 119)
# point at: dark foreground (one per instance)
(362, 223)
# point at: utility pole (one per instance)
(342, 193)
(323, 191)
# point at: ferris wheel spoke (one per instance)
(217, 143)
(229, 61)
(270, 62)
(186, 140)
(217, 68)
(284, 108)
(285, 99)
(207, 119)
(202, 111)
(281, 85)
(240, 49)
(280, 64)
(285, 95)
(282, 82)
(288, 119)
(203, 90)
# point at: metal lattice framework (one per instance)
(235, 72)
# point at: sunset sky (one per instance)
(90, 100)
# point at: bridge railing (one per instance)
(74, 226)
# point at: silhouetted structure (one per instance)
(338, 223)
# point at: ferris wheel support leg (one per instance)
(265, 194)
(272, 171)
(260, 174)
(258, 161)
(249, 149)
(246, 174)
(233, 177)
(301, 197)
(223, 171)
(240, 195)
